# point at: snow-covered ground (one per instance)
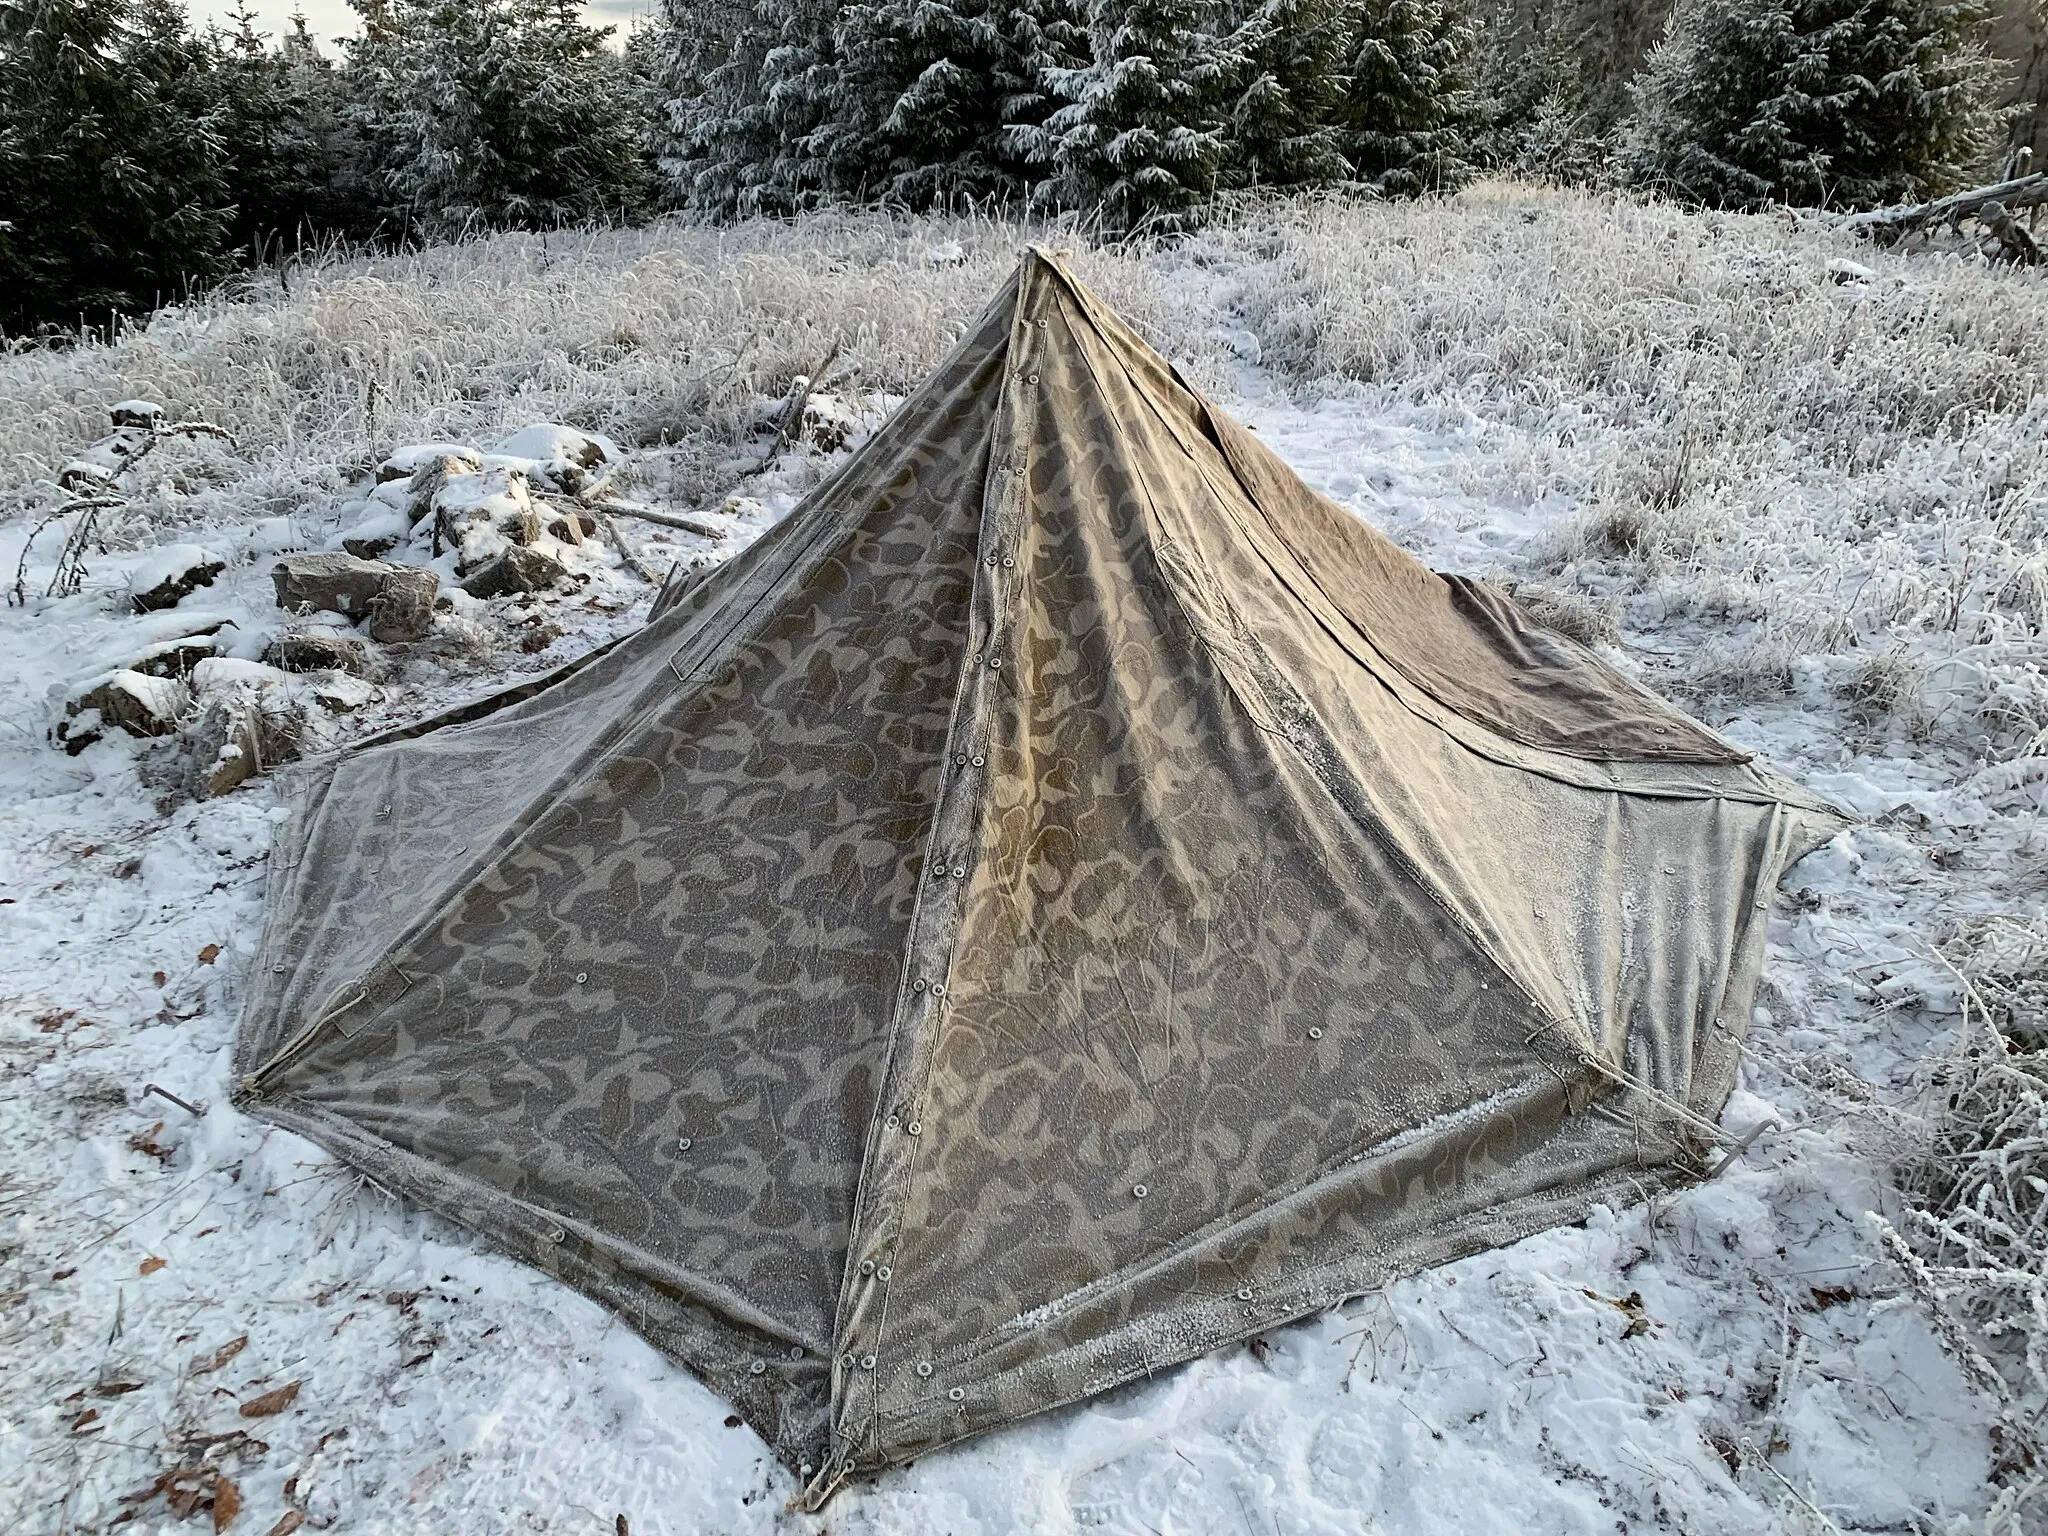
(1806, 499)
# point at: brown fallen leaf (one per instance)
(271, 1402)
(84, 1419)
(61, 1274)
(287, 1522)
(209, 954)
(227, 1502)
(115, 1388)
(158, 978)
(220, 1357)
(152, 1264)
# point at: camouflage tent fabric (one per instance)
(1065, 899)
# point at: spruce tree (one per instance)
(112, 197)
(1408, 109)
(1842, 103)
(1140, 138)
(1283, 109)
(937, 99)
(496, 114)
(741, 88)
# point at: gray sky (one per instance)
(329, 19)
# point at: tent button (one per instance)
(978, 761)
(939, 987)
(1008, 561)
(960, 758)
(957, 1394)
(892, 1122)
(995, 661)
(867, 1266)
(917, 985)
(959, 872)
(847, 1361)
(1138, 1190)
(914, 1127)
(924, 1367)
(867, 1362)
(991, 559)
(882, 1273)
(759, 1367)
(1032, 379)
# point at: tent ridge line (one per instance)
(887, 1173)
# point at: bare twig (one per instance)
(688, 522)
(627, 553)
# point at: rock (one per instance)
(135, 413)
(376, 535)
(95, 468)
(517, 570)
(479, 514)
(171, 574)
(571, 527)
(403, 609)
(406, 462)
(550, 440)
(425, 483)
(341, 693)
(342, 583)
(222, 748)
(319, 651)
(134, 701)
(229, 674)
(174, 658)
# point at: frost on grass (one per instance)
(1811, 507)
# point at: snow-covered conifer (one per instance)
(1283, 109)
(1140, 138)
(1844, 103)
(112, 196)
(1408, 108)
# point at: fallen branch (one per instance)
(1890, 225)
(627, 553)
(686, 521)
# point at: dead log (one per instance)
(1887, 226)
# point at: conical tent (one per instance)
(1066, 898)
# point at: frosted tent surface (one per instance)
(1066, 898)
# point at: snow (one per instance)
(1733, 1358)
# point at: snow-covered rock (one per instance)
(169, 575)
(406, 462)
(135, 702)
(313, 650)
(403, 609)
(517, 570)
(341, 583)
(135, 413)
(377, 534)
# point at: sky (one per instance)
(329, 19)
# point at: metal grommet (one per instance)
(1138, 1190)
(1761, 905)
(995, 662)
(1008, 561)
(959, 872)
(1314, 1033)
(882, 1273)
(759, 1367)
(924, 1367)
(847, 1361)
(891, 1123)
(279, 966)
(978, 761)
(558, 1236)
(939, 873)
(581, 977)
(914, 1127)
(683, 1143)
(917, 985)
(796, 1351)
(991, 559)
(960, 758)
(867, 1266)
(1033, 379)
(1245, 1294)
(867, 1362)
(938, 989)
(957, 1393)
